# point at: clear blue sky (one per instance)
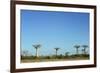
(53, 29)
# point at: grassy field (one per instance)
(47, 60)
(30, 59)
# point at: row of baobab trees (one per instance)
(77, 47)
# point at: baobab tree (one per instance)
(56, 51)
(84, 48)
(36, 47)
(77, 49)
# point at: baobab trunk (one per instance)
(56, 54)
(37, 53)
(84, 51)
(77, 51)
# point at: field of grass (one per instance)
(29, 59)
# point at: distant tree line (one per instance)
(83, 53)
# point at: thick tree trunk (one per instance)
(36, 53)
(77, 51)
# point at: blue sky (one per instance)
(53, 29)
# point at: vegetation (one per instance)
(77, 48)
(84, 49)
(56, 51)
(56, 57)
(36, 47)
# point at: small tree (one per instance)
(66, 54)
(24, 53)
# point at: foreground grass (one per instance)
(54, 59)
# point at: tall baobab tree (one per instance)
(84, 48)
(77, 49)
(37, 47)
(56, 51)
